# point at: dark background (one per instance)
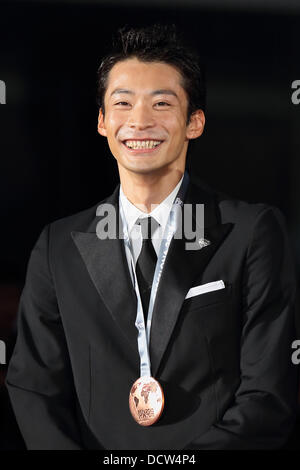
(53, 162)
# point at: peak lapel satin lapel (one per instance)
(107, 266)
(181, 268)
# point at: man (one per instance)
(221, 319)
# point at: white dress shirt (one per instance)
(160, 213)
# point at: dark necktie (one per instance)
(146, 262)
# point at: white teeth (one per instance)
(141, 144)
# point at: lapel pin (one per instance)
(203, 242)
(178, 201)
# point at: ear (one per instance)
(101, 125)
(196, 125)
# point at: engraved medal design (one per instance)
(146, 401)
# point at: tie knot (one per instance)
(148, 226)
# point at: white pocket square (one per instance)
(210, 286)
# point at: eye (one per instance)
(162, 103)
(122, 103)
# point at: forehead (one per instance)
(144, 77)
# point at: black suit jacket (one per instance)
(223, 358)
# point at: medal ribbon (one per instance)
(143, 333)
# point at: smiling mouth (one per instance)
(142, 145)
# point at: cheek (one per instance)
(175, 125)
(113, 122)
(177, 133)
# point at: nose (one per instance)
(141, 116)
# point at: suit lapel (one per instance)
(182, 267)
(107, 266)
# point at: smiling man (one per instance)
(146, 127)
(137, 342)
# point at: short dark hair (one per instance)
(156, 43)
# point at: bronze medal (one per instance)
(146, 401)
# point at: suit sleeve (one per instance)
(39, 378)
(263, 411)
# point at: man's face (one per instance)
(145, 117)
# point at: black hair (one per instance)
(156, 43)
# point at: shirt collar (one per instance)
(160, 213)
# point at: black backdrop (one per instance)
(53, 162)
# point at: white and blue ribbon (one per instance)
(143, 338)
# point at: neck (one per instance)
(145, 190)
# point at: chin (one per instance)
(142, 170)
(139, 166)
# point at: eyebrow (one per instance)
(152, 93)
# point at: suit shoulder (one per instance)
(78, 221)
(240, 211)
(233, 209)
(254, 224)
